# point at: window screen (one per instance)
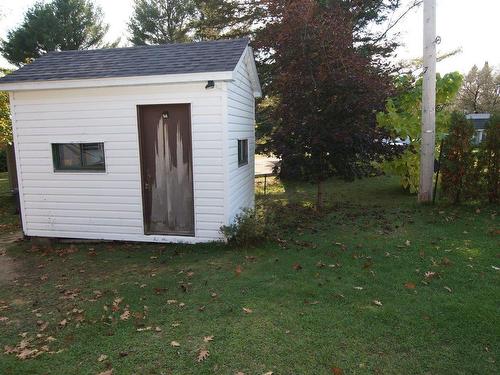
(78, 156)
(242, 152)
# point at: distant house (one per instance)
(152, 143)
(480, 122)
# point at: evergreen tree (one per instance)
(161, 21)
(218, 19)
(480, 91)
(457, 173)
(57, 25)
(489, 160)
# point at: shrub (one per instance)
(249, 227)
(489, 160)
(270, 220)
(458, 160)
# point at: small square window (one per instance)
(78, 157)
(242, 152)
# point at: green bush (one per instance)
(249, 227)
(457, 171)
(488, 165)
(269, 221)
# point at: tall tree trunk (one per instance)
(320, 195)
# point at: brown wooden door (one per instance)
(167, 168)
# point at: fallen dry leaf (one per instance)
(337, 371)
(27, 353)
(7, 349)
(448, 289)
(247, 310)
(410, 285)
(208, 338)
(202, 355)
(63, 323)
(79, 318)
(97, 294)
(125, 315)
(107, 372)
(175, 344)
(430, 274)
(117, 300)
(268, 373)
(238, 270)
(297, 266)
(102, 358)
(377, 302)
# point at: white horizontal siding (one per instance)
(108, 205)
(241, 125)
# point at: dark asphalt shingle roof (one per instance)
(177, 58)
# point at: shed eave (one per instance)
(116, 81)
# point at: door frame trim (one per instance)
(141, 169)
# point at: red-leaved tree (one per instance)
(328, 89)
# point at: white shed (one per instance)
(152, 143)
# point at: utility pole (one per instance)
(428, 103)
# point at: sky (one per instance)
(469, 25)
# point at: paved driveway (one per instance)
(264, 164)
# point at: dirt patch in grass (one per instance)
(8, 267)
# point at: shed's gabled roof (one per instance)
(166, 59)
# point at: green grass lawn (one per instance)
(379, 285)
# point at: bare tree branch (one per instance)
(415, 4)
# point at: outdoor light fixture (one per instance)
(165, 115)
(210, 85)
